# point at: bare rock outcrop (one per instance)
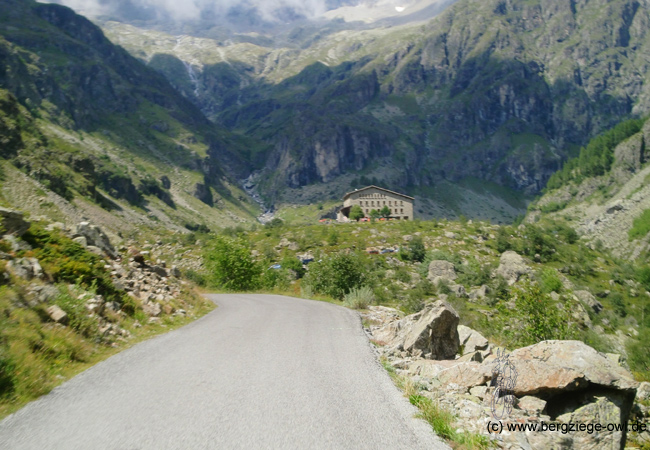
(95, 237)
(13, 222)
(512, 267)
(440, 270)
(588, 299)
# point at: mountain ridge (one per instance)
(500, 91)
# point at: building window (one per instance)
(401, 211)
(401, 203)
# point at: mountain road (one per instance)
(260, 371)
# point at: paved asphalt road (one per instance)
(261, 371)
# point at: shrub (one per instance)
(618, 303)
(537, 241)
(75, 308)
(197, 277)
(550, 281)
(503, 242)
(415, 251)
(473, 273)
(7, 371)
(274, 223)
(536, 317)
(231, 266)
(293, 263)
(640, 226)
(359, 298)
(337, 275)
(638, 356)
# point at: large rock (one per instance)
(26, 268)
(512, 267)
(95, 237)
(12, 222)
(435, 334)
(551, 367)
(441, 270)
(471, 340)
(57, 314)
(466, 375)
(588, 299)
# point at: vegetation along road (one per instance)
(260, 371)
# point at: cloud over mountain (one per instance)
(193, 9)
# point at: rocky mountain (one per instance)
(88, 131)
(610, 209)
(499, 91)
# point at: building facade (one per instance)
(373, 197)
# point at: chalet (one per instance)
(373, 197)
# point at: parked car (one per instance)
(276, 266)
(387, 250)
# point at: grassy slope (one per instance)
(566, 265)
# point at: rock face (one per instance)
(471, 340)
(435, 334)
(12, 222)
(511, 267)
(441, 270)
(95, 237)
(588, 299)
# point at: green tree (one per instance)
(231, 266)
(385, 212)
(337, 275)
(374, 214)
(356, 213)
(536, 317)
(415, 250)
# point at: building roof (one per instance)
(377, 187)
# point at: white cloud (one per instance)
(191, 9)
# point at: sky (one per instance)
(191, 9)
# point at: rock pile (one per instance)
(153, 286)
(557, 381)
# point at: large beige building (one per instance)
(373, 197)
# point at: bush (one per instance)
(537, 241)
(293, 263)
(536, 317)
(415, 251)
(198, 278)
(7, 371)
(274, 223)
(550, 281)
(473, 273)
(359, 298)
(337, 275)
(618, 303)
(640, 226)
(638, 356)
(78, 317)
(503, 242)
(231, 266)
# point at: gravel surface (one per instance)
(261, 371)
